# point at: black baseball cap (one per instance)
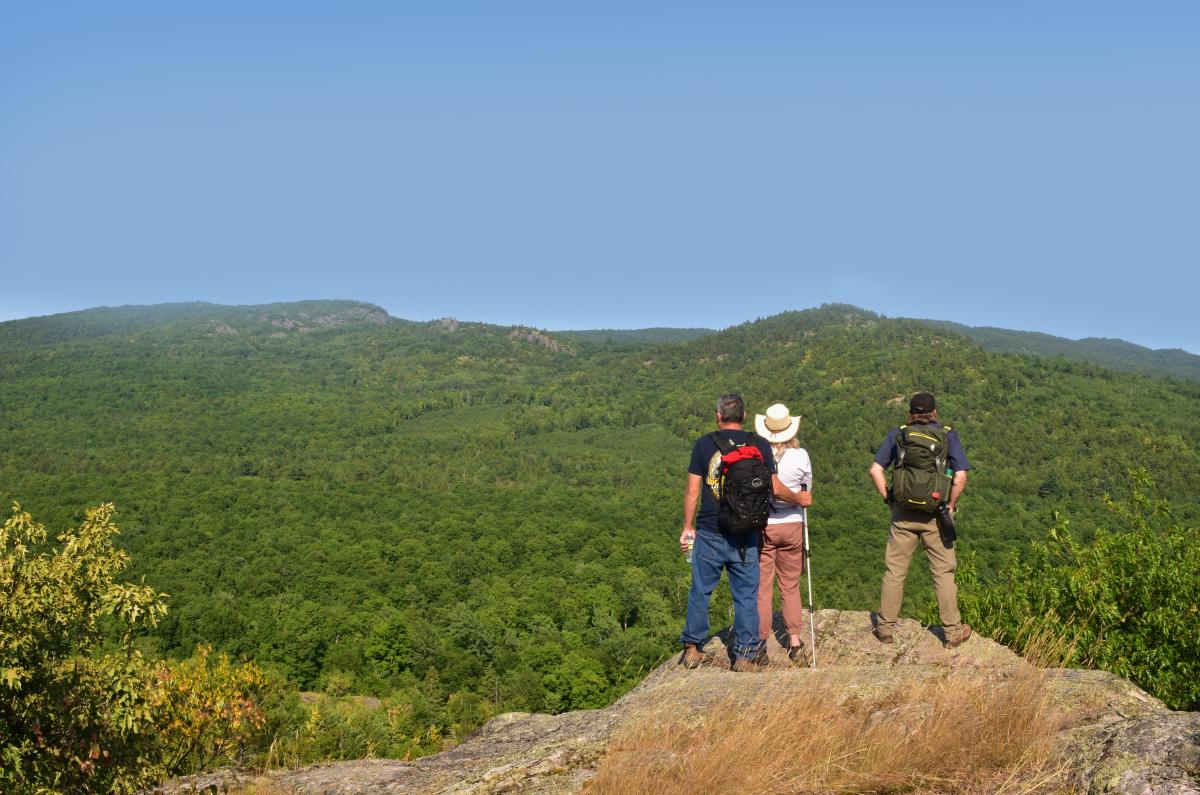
(921, 403)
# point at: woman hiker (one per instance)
(782, 552)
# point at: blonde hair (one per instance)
(779, 448)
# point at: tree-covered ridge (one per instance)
(1112, 353)
(1115, 354)
(465, 515)
(188, 320)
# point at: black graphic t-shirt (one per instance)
(706, 462)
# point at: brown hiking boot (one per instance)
(743, 665)
(963, 636)
(692, 656)
(882, 637)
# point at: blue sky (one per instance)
(1026, 165)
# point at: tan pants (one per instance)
(908, 528)
(782, 554)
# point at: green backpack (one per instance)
(920, 477)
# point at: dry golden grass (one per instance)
(957, 732)
(261, 786)
(974, 731)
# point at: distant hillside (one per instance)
(192, 319)
(1115, 354)
(650, 335)
(1112, 353)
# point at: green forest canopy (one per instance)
(1116, 354)
(334, 492)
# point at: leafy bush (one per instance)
(211, 711)
(1127, 600)
(78, 718)
(318, 728)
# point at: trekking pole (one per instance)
(812, 632)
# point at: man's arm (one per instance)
(880, 479)
(957, 487)
(782, 492)
(958, 462)
(883, 459)
(690, 494)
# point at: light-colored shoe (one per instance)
(882, 637)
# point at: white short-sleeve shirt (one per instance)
(795, 469)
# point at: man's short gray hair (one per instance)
(731, 408)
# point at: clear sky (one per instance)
(568, 165)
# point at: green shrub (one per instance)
(321, 728)
(76, 717)
(1126, 601)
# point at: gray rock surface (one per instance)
(1119, 738)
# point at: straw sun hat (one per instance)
(777, 425)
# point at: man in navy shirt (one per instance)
(714, 551)
(910, 527)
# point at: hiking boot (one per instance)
(882, 637)
(799, 655)
(963, 636)
(692, 656)
(744, 665)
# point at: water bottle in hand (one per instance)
(945, 524)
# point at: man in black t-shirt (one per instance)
(714, 551)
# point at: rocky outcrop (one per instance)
(304, 322)
(1116, 737)
(445, 324)
(1155, 752)
(538, 338)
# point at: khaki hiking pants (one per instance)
(908, 529)
(782, 555)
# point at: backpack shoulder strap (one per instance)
(723, 444)
(752, 440)
(901, 440)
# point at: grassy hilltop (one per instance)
(485, 518)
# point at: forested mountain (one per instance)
(190, 320)
(1113, 353)
(467, 513)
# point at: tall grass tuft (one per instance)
(978, 732)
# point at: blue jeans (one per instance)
(713, 552)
